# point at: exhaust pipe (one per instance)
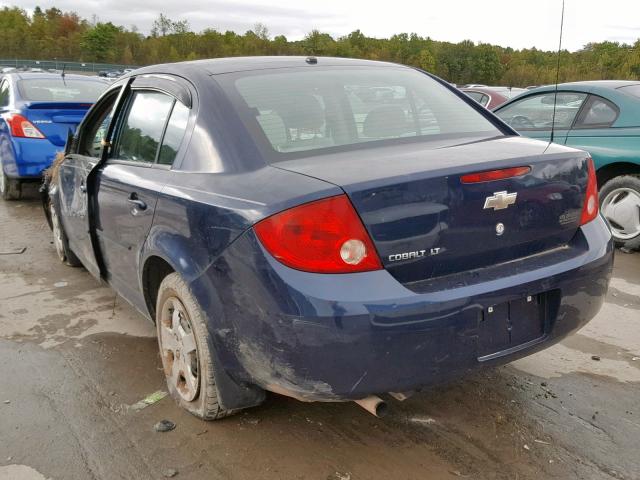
(374, 405)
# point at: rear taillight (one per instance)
(325, 236)
(21, 127)
(590, 207)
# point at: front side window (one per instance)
(143, 126)
(302, 110)
(599, 113)
(95, 130)
(536, 111)
(61, 90)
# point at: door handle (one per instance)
(138, 204)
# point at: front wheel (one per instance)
(186, 359)
(620, 205)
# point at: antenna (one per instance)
(555, 93)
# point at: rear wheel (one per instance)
(620, 205)
(10, 188)
(60, 240)
(184, 348)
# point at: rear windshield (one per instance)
(308, 110)
(60, 90)
(633, 90)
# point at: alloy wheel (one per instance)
(178, 349)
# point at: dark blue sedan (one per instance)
(37, 112)
(328, 229)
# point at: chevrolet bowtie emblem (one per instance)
(500, 200)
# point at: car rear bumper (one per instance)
(339, 337)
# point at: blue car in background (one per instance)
(328, 229)
(37, 112)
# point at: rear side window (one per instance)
(598, 113)
(152, 128)
(536, 112)
(173, 134)
(142, 129)
(303, 110)
(61, 90)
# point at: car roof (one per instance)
(588, 86)
(216, 66)
(487, 90)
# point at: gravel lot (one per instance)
(76, 358)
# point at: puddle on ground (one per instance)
(560, 360)
(49, 316)
(20, 472)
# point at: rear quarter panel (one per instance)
(198, 215)
(608, 145)
(33, 156)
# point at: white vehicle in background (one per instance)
(509, 92)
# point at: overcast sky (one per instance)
(513, 23)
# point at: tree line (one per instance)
(54, 34)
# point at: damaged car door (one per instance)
(128, 182)
(75, 177)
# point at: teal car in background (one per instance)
(603, 118)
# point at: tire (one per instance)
(620, 200)
(10, 188)
(189, 375)
(60, 241)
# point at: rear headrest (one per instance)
(302, 111)
(274, 129)
(386, 121)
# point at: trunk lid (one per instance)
(55, 119)
(426, 223)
